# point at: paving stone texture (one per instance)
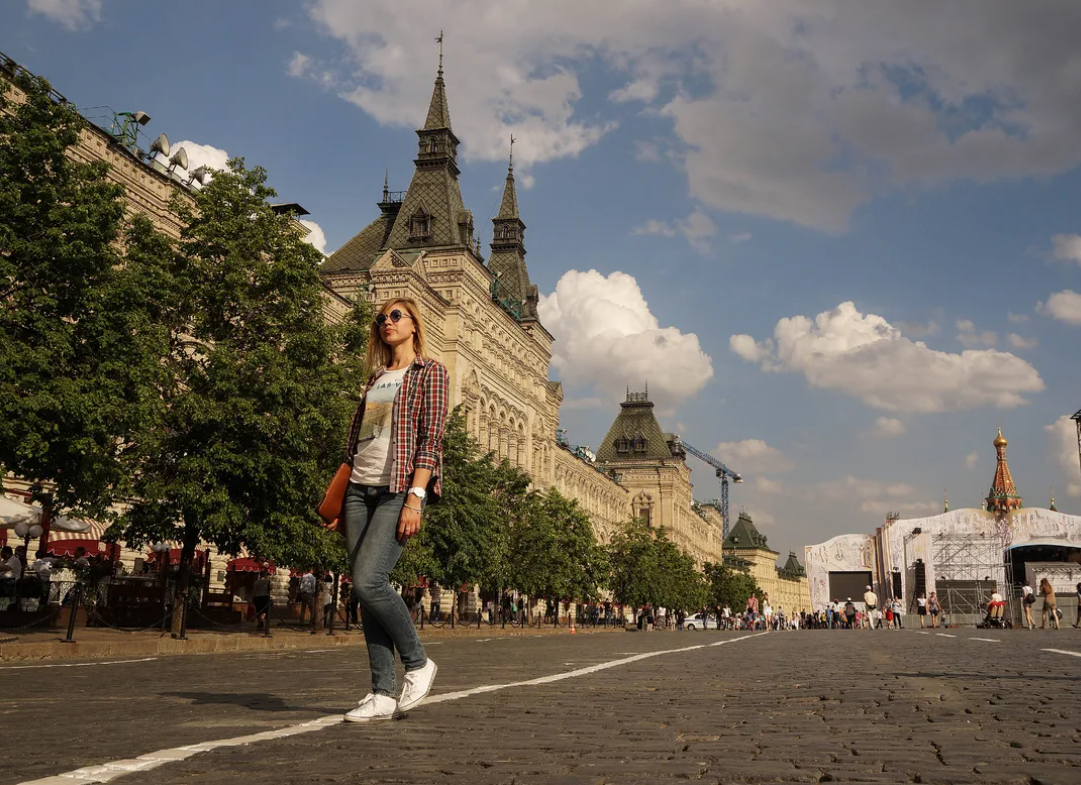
(813, 706)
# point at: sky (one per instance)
(839, 240)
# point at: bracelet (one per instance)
(410, 507)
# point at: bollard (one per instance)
(422, 619)
(333, 605)
(183, 618)
(266, 617)
(75, 603)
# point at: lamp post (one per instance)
(27, 531)
(161, 550)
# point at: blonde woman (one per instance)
(1050, 604)
(395, 449)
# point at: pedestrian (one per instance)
(395, 449)
(830, 611)
(328, 598)
(1028, 599)
(850, 614)
(934, 609)
(306, 594)
(1050, 605)
(921, 608)
(1078, 622)
(870, 606)
(433, 609)
(260, 597)
(899, 613)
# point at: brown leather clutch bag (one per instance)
(330, 509)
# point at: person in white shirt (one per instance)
(870, 602)
(11, 566)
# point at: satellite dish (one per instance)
(160, 145)
(179, 158)
(202, 174)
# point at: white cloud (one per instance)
(1064, 306)
(1063, 435)
(647, 151)
(865, 356)
(971, 459)
(1067, 247)
(872, 495)
(885, 428)
(315, 236)
(72, 14)
(739, 237)
(969, 336)
(298, 65)
(918, 330)
(766, 485)
(606, 338)
(1020, 342)
(752, 456)
(787, 109)
(697, 229)
(762, 518)
(1016, 318)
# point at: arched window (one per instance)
(639, 443)
(420, 225)
(623, 444)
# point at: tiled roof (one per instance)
(360, 252)
(635, 421)
(744, 536)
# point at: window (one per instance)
(622, 444)
(420, 225)
(639, 443)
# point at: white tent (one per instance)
(13, 512)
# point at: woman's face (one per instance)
(397, 332)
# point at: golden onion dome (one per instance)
(1000, 440)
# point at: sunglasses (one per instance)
(395, 316)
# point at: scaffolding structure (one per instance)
(968, 567)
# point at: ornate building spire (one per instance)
(1003, 496)
(432, 213)
(1053, 508)
(946, 497)
(512, 288)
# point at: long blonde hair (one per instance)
(379, 352)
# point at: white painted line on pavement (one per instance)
(945, 635)
(987, 640)
(1065, 651)
(152, 760)
(74, 664)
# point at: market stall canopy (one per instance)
(64, 542)
(14, 512)
(249, 564)
(199, 558)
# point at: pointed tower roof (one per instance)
(744, 536)
(1003, 496)
(512, 288)
(438, 110)
(635, 435)
(792, 567)
(1053, 508)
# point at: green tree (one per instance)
(680, 584)
(731, 587)
(257, 388)
(634, 573)
(79, 342)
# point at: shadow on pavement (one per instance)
(259, 701)
(986, 676)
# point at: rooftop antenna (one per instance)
(511, 166)
(440, 40)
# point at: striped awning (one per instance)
(95, 533)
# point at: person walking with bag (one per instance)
(1028, 599)
(1050, 604)
(394, 462)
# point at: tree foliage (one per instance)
(257, 387)
(79, 342)
(648, 569)
(730, 586)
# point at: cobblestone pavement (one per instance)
(832, 706)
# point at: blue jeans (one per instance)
(371, 527)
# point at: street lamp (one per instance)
(162, 550)
(28, 531)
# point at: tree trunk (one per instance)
(183, 578)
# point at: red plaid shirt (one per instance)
(416, 431)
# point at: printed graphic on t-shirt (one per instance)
(371, 466)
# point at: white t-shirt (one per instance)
(371, 464)
(15, 568)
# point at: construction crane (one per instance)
(723, 474)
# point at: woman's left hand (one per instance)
(409, 521)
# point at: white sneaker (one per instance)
(418, 684)
(374, 708)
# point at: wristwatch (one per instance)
(419, 492)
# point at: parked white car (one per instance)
(700, 622)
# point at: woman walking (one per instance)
(1050, 605)
(934, 609)
(921, 608)
(1077, 623)
(395, 449)
(1028, 599)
